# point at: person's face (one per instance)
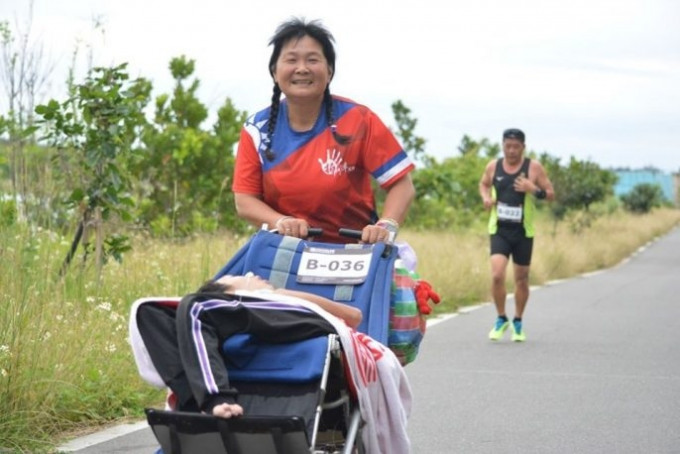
(302, 71)
(247, 282)
(512, 150)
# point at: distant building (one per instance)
(628, 179)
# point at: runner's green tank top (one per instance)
(514, 206)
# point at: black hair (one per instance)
(213, 286)
(514, 133)
(296, 28)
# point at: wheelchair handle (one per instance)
(356, 234)
(314, 231)
(350, 233)
(311, 231)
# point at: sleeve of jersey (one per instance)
(384, 157)
(248, 168)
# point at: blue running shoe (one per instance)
(517, 331)
(499, 328)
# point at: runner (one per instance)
(508, 188)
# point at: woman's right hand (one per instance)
(291, 226)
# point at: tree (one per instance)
(96, 130)
(642, 198)
(406, 125)
(577, 186)
(185, 169)
(447, 192)
(470, 146)
(25, 71)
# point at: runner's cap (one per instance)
(513, 133)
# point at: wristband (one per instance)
(540, 193)
(390, 225)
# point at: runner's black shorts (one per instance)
(512, 241)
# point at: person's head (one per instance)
(295, 39)
(212, 286)
(228, 283)
(513, 144)
(302, 65)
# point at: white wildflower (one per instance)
(110, 347)
(104, 306)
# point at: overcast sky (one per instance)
(594, 79)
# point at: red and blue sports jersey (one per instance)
(312, 176)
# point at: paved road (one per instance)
(600, 372)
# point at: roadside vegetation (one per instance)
(65, 363)
(116, 193)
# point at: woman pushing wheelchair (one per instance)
(307, 160)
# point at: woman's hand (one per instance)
(374, 233)
(288, 225)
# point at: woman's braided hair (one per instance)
(297, 28)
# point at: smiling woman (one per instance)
(307, 160)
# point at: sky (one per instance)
(598, 80)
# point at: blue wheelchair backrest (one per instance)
(277, 258)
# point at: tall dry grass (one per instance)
(457, 264)
(65, 362)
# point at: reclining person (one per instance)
(183, 343)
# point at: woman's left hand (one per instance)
(374, 233)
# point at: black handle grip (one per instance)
(350, 233)
(356, 234)
(314, 231)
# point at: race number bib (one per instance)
(507, 213)
(333, 266)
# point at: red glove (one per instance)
(424, 293)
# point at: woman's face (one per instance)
(247, 282)
(302, 71)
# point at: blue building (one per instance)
(628, 179)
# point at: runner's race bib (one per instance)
(334, 266)
(507, 213)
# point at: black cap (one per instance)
(513, 133)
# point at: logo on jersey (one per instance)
(334, 164)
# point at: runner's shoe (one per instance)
(499, 328)
(517, 331)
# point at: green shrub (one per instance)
(642, 198)
(8, 212)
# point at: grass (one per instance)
(457, 264)
(66, 366)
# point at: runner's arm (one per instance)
(485, 185)
(543, 182)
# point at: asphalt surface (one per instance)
(599, 373)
